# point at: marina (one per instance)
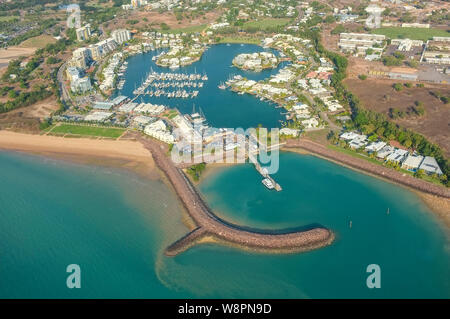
(241, 111)
(175, 81)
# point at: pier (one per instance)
(252, 158)
(210, 226)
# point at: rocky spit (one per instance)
(212, 227)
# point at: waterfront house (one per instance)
(375, 146)
(398, 156)
(349, 136)
(289, 131)
(412, 162)
(385, 151)
(159, 131)
(430, 166)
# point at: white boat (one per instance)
(268, 183)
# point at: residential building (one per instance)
(430, 166)
(98, 116)
(359, 43)
(83, 33)
(310, 123)
(81, 85)
(121, 35)
(406, 44)
(385, 151)
(375, 146)
(72, 73)
(398, 156)
(412, 162)
(289, 131)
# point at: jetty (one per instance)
(252, 158)
(209, 226)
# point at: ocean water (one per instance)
(116, 225)
(222, 108)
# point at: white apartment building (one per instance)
(83, 33)
(121, 35)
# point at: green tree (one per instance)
(397, 86)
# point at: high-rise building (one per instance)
(78, 62)
(84, 33)
(81, 85)
(72, 73)
(121, 35)
(135, 3)
(95, 51)
(82, 53)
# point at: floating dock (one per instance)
(264, 172)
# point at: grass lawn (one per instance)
(411, 33)
(266, 23)
(88, 130)
(38, 42)
(354, 153)
(8, 18)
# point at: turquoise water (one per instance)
(116, 225)
(222, 108)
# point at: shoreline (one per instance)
(439, 205)
(131, 155)
(125, 154)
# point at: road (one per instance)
(65, 96)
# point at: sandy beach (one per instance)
(125, 154)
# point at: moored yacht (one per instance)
(268, 183)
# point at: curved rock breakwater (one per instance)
(210, 225)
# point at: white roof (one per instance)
(397, 156)
(376, 146)
(430, 165)
(385, 151)
(413, 160)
